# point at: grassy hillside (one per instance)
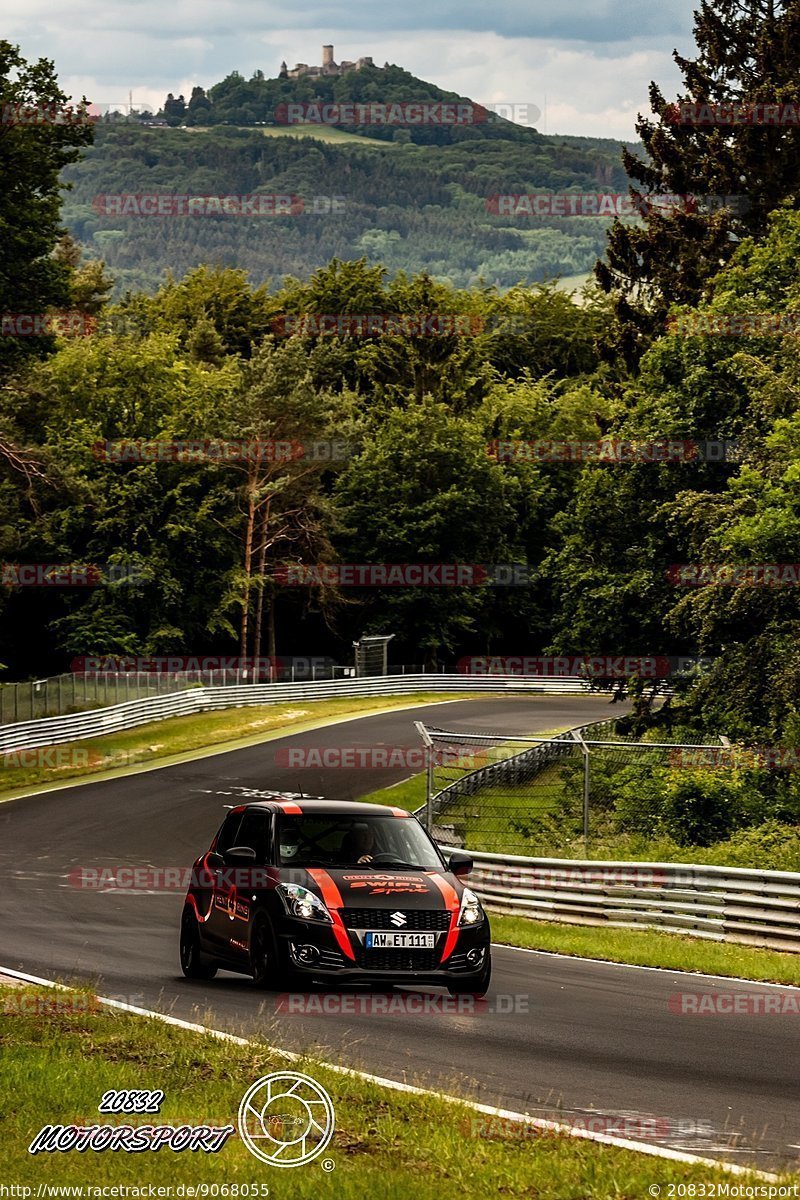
(414, 199)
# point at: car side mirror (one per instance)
(240, 853)
(214, 861)
(460, 863)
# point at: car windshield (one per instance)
(355, 841)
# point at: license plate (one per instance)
(399, 941)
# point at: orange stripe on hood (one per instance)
(453, 902)
(333, 899)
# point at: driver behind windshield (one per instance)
(358, 844)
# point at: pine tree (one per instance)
(733, 174)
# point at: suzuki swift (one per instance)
(333, 891)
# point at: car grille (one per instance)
(397, 960)
(380, 918)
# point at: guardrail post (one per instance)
(586, 800)
(585, 751)
(428, 743)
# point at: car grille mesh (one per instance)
(397, 960)
(435, 919)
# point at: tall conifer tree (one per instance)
(735, 173)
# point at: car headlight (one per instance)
(300, 902)
(471, 912)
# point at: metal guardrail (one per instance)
(28, 735)
(725, 904)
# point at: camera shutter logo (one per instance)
(286, 1119)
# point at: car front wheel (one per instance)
(265, 967)
(193, 964)
(473, 987)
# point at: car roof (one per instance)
(317, 807)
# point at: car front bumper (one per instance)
(312, 951)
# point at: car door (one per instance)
(229, 923)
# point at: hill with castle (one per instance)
(258, 100)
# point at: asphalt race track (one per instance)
(557, 1037)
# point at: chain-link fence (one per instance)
(565, 794)
(81, 691)
(60, 694)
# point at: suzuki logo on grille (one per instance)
(398, 918)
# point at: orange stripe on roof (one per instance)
(333, 899)
(400, 812)
(288, 806)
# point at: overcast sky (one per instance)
(585, 63)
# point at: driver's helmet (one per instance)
(290, 844)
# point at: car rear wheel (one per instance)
(473, 987)
(193, 963)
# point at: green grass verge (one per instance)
(177, 738)
(409, 794)
(58, 1064)
(320, 133)
(648, 948)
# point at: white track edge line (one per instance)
(610, 962)
(395, 1085)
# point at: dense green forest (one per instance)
(412, 199)
(212, 353)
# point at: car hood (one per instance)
(355, 888)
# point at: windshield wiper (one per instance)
(396, 863)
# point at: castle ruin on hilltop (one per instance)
(329, 67)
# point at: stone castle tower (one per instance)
(329, 67)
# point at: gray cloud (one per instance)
(591, 58)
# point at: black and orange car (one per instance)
(333, 891)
